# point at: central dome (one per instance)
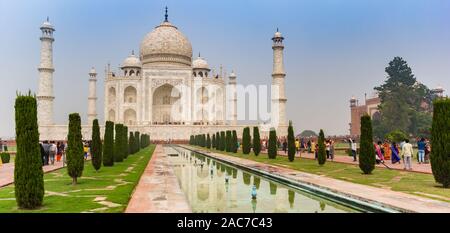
(166, 45)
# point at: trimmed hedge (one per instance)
(367, 151)
(96, 146)
(272, 150)
(291, 142)
(440, 142)
(321, 154)
(246, 140)
(256, 141)
(108, 147)
(75, 152)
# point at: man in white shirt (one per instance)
(353, 148)
(407, 153)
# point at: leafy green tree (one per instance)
(208, 142)
(118, 143)
(246, 140)
(75, 152)
(235, 142)
(108, 148)
(291, 142)
(28, 174)
(272, 150)
(256, 141)
(308, 133)
(396, 136)
(401, 102)
(367, 152)
(440, 142)
(96, 146)
(321, 154)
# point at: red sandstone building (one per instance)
(370, 107)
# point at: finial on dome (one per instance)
(199, 54)
(277, 29)
(132, 52)
(166, 15)
(48, 20)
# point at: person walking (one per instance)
(46, 146)
(427, 152)
(285, 146)
(331, 150)
(53, 151)
(395, 157)
(41, 146)
(421, 146)
(327, 148)
(297, 145)
(353, 148)
(407, 154)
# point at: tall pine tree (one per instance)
(246, 140)
(96, 146)
(75, 152)
(440, 142)
(291, 142)
(272, 150)
(256, 141)
(108, 147)
(367, 151)
(321, 154)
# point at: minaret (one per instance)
(233, 98)
(45, 92)
(279, 100)
(92, 99)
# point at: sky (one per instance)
(334, 49)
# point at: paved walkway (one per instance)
(397, 200)
(158, 190)
(416, 167)
(7, 172)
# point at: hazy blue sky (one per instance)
(334, 48)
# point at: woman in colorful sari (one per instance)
(378, 152)
(395, 158)
(387, 150)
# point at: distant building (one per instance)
(370, 107)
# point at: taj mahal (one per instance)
(162, 91)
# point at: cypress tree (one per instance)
(321, 154)
(118, 143)
(223, 142)
(75, 160)
(217, 141)
(28, 174)
(131, 143)
(246, 140)
(272, 144)
(108, 148)
(96, 146)
(137, 137)
(235, 142)
(256, 141)
(291, 142)
(213, 141)
(367, 152)
(191, 140)
(208, 142)
(125, 142)
(142, 141)
(440, 142)
(228, 140)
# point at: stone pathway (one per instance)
(7, 172)
(416, 167)
(397, 200)
(158, 190)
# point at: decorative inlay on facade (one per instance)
(159, 82)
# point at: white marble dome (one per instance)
(200, 63)
(132, 61)
(166, 45)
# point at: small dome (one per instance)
(92, 71)
(132, 61)
(200, 63)
(277, 34)
(353, 98)
(47, 25)
(232, 75)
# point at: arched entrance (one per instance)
(166, 107)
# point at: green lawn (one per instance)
(396, 180)
(112, 186)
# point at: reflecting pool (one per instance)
(214, 187)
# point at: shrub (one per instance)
(96, 146)
(5, 157)
(75, 152)
(118, 144)
(28, 174)
(291, 142)
(321, 154)
(272, 150)
(396, 136)
(256, 141)
(440, 142)
(108, 147)
(367, 151)
(246, 140)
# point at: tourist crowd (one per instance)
(52, 152)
